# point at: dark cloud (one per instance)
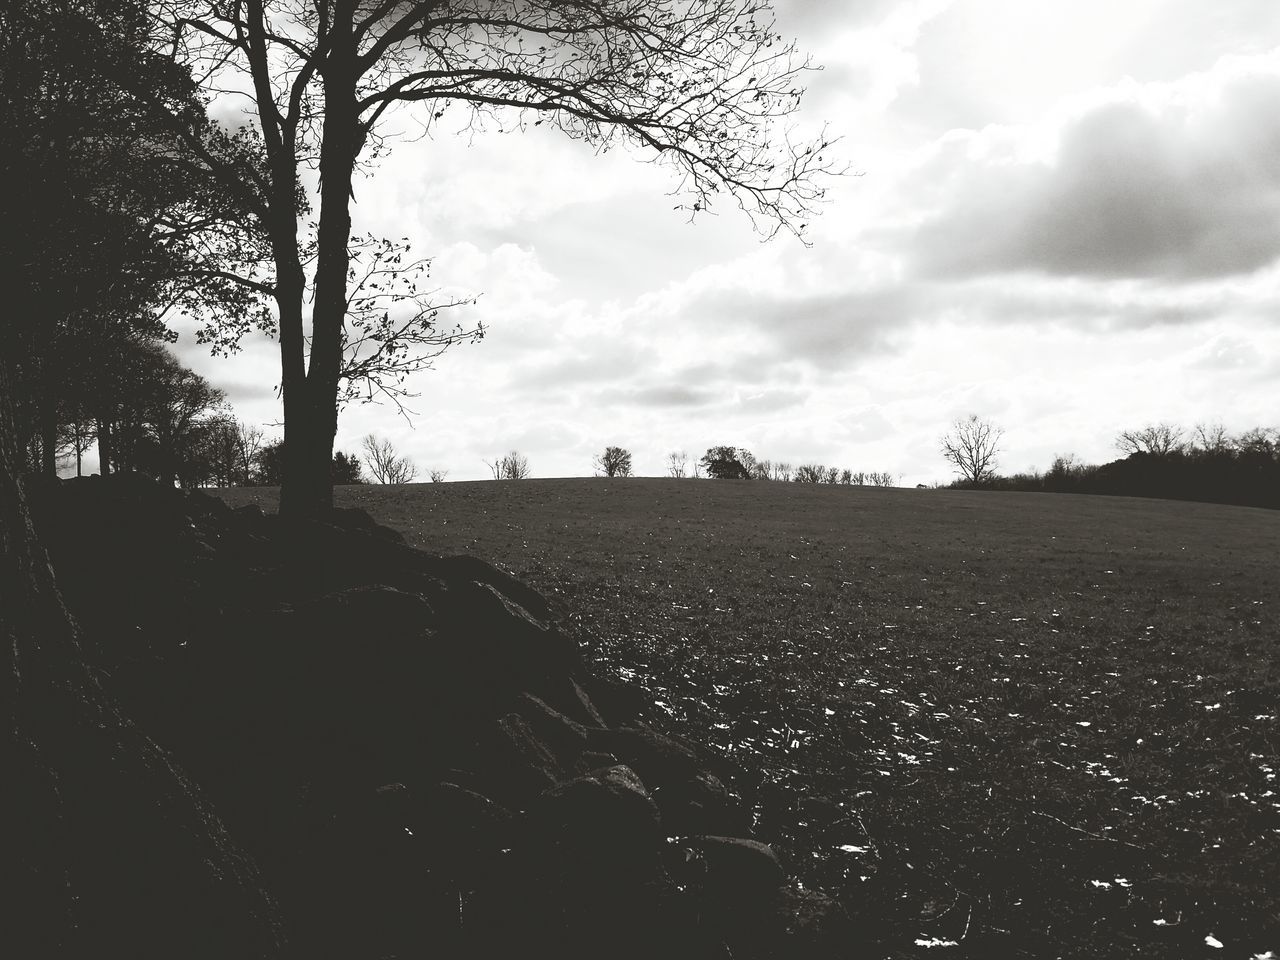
(663, 395)
(813, 19)
(827, 331)
(1179, 193)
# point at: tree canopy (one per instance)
(703, 85)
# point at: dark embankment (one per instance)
(406, 755)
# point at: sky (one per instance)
(1061, 217)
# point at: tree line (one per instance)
(1163, 460)
(738, 463)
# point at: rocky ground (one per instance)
(414, 757)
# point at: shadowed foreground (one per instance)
(413, 757)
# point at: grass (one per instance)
(1023, 724)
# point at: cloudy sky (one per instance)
(1067, 221)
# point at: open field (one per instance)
(1031, 725)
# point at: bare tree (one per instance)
(614, 462)
(761, 470)
(677, 464)
(971, 447)
(437, 476)
(248, 444)
(1259, 441)
(810, 473)
(1159, 439)
(514, 466)
(384, 463)
(881, 478)
(703, 85)
(846, 477)
(1212, 438)
(782, 471)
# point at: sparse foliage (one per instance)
(438, 476)
(677, 464)
(1211, 438)
(513, 466)
(1160, 439)
(384, 463)
(614, 462)
(392, 326)
(971, 447)
(809, 473)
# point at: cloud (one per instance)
(667, 395)
(1173, 181)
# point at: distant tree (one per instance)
(971, 447)
(677, 464)
(248, 443)
(437, 476)
(614, 462)
(153, 414)
(809, 473)
(761, 470)
(782, 471)
(1160, 439)
(218, 458)
(727, 463)
(268, 467)
(1211, 438)
(513, 466)
(1259, 442)
(846, 476)
(881, 479)
(831, 475)
(384, 463)
(76, 436)
(346, 469)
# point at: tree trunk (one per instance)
(106, 446)
(48, 433)
(311, 424)
(109, 850)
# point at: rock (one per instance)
(605, 815)
(464, 830)
(701, 804)
(740, 868)
(659, 760)
(520, 766)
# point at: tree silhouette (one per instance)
(971, 447)
(513, 466)
(700, 84)
(1159, 439)
(384, 463)
(727, 463)
(614, 462)
(107, 217)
